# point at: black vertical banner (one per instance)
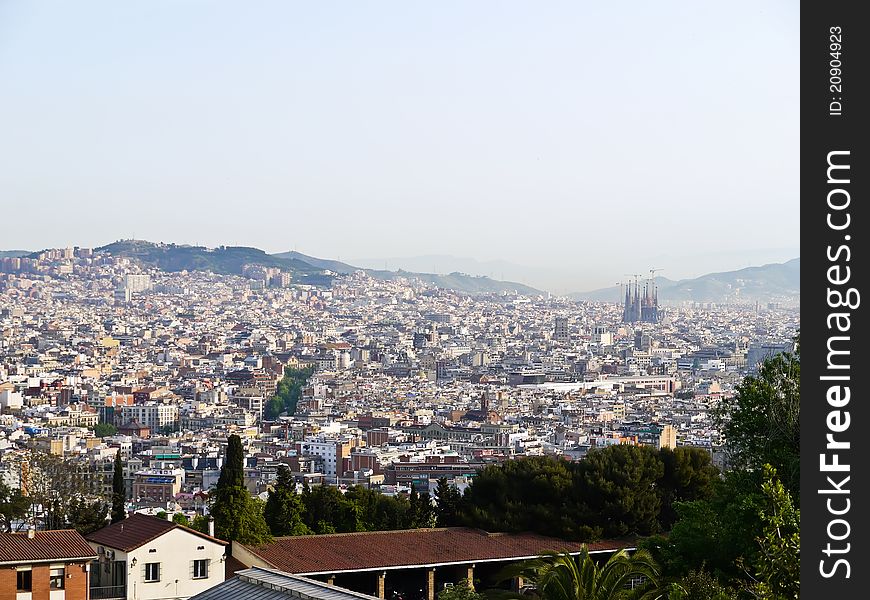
(835, 413)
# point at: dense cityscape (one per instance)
(487, 300)
(394, 385)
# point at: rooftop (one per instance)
(65, 544)
(354, 552)
(268, 584)
(137, 530)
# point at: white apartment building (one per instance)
(137, 282)
(152, 415)
(327, 450)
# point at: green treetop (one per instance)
(119, 491)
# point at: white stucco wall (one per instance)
(175, 551)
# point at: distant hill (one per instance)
(461, 282)
(230, 260)
(14, 253)
(472, 284)
(773, 282)
(445, 263)
(320, 263)
(227, 260)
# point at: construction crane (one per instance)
(636, 277)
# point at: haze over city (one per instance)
(566, 138)
(401, 301)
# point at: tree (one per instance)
(54, 484)
(700, 585)
(86, 516)
(715, 534)
(778, 565)
(167, 429)
(688, 475)
(14, 506)
(288, 392)
(104, 429)
(449, 501)
(284, 508)
(119, 491)
(180, 519)
(378, 512)
(233, 470)
(617, 489)
(422, 511)
(274, 408)
(531, 494)
(200, 523)
(460, 591)
(564, 577)
(761, 423)
(237, 515)
(327, 510)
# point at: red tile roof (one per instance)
(65, 544)
(137, 530)
(339, 552)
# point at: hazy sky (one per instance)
(585, 137)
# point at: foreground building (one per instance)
(44, 565)
(414, 562)
(146, 558)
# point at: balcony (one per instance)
(109, 592)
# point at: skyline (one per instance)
(548, 279)
(461, 273)
(345, 132)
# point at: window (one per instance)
(56, 577)
(152, 572)
(25, 581)
(200, 568)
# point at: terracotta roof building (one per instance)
(41, 562)
(146, 558)
(434, 556)
(138, 530)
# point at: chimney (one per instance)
(31, 532)
(211, 527)
(169, 516)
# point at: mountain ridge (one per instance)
(765, 283)
(230, 260)
(456, 280)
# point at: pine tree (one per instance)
(284, 509)
(422, 513)
(449, 500)
(119, 492)
(237, 515)
(233, 470)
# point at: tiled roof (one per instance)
(333, 553)
(45, 545)
(138, 530)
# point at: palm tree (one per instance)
(560, 576)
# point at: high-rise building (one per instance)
(668, 437)
(136, 282)
(560, 330)
(600, 335)
(122, 295)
